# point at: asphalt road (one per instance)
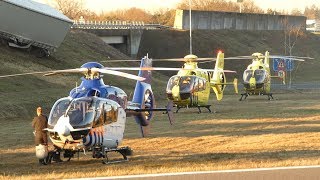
(279, 173)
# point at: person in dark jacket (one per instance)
(39, 123)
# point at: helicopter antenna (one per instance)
(190, 27)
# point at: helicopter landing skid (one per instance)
(205, 106)
(124, 151)
(270, 97)
(244, 94)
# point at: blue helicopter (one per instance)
(94, 114)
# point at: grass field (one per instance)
(248, 134)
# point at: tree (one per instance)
(296, 12)
(132, 14)
(164, 17)
(71, 8)
(291, 35)
(220, 5)
(273, 12)
(312, 12)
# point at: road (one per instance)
(278, 173)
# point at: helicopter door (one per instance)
(106, 113)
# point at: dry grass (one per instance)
(250, 134)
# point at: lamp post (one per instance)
(190, 26)
(240, 2)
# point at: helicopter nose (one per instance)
(252, 82)
(175, 92)
(62, 126)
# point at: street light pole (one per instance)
(240, 2)
(190, 27)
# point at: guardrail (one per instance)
(115, 25)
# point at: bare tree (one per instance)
(164, 17)
(71, 8)
(296, 12)
(220, 5)
(132, 14)
(291, 35)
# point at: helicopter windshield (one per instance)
(258, 74)
(185, 83)
(80, 112)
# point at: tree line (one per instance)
(75, 9)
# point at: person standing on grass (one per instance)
(39, 123)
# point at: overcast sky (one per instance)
(109, 5)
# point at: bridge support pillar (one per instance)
(134, 42)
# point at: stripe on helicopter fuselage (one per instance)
(90, 140)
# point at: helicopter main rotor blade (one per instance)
(297, 57)
(76, 70)
(118, 73)
(162, 69)
(263, 56)
(143, 68)
(23, 74)
(49, 73)
(171, 59)
(287, 57)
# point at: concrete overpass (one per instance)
(122, 35)
(125, 40)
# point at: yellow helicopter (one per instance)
(257, 76)
(191, 86)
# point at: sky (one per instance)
(152, 5)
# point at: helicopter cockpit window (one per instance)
(186, 84)
(202, 85)
(259, 75)
(81, 112)
(196, 85)
(173, 81)
(58, 110)
(247, 75)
